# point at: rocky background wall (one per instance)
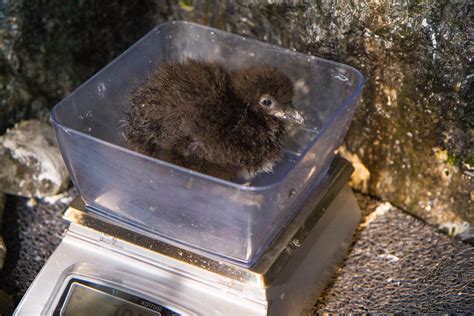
(412, 137)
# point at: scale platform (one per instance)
(103, 267)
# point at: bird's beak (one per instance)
(294, 116)
(290, 115)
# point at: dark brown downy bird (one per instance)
(199, 115)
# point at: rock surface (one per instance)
(414, 129)
(47, 48)
(31, 162)
(413, 132)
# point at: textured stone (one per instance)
(31, 162)
(413, 132)
(412, 135)
(49, 47)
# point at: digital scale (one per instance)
(104, 267)
(159, 239)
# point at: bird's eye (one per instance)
(266, 102)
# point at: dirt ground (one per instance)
(399, 264)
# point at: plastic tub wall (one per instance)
(209, 215)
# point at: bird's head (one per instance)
(268, 91)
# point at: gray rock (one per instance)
(31, 162)
(413, 130)
(47, 49)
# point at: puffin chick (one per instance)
(198, 115)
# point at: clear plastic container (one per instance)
(209, 215)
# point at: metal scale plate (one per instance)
(103, 266)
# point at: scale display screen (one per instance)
(83, 298)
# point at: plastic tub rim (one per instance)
(344, 105)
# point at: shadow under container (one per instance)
(207, 215)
